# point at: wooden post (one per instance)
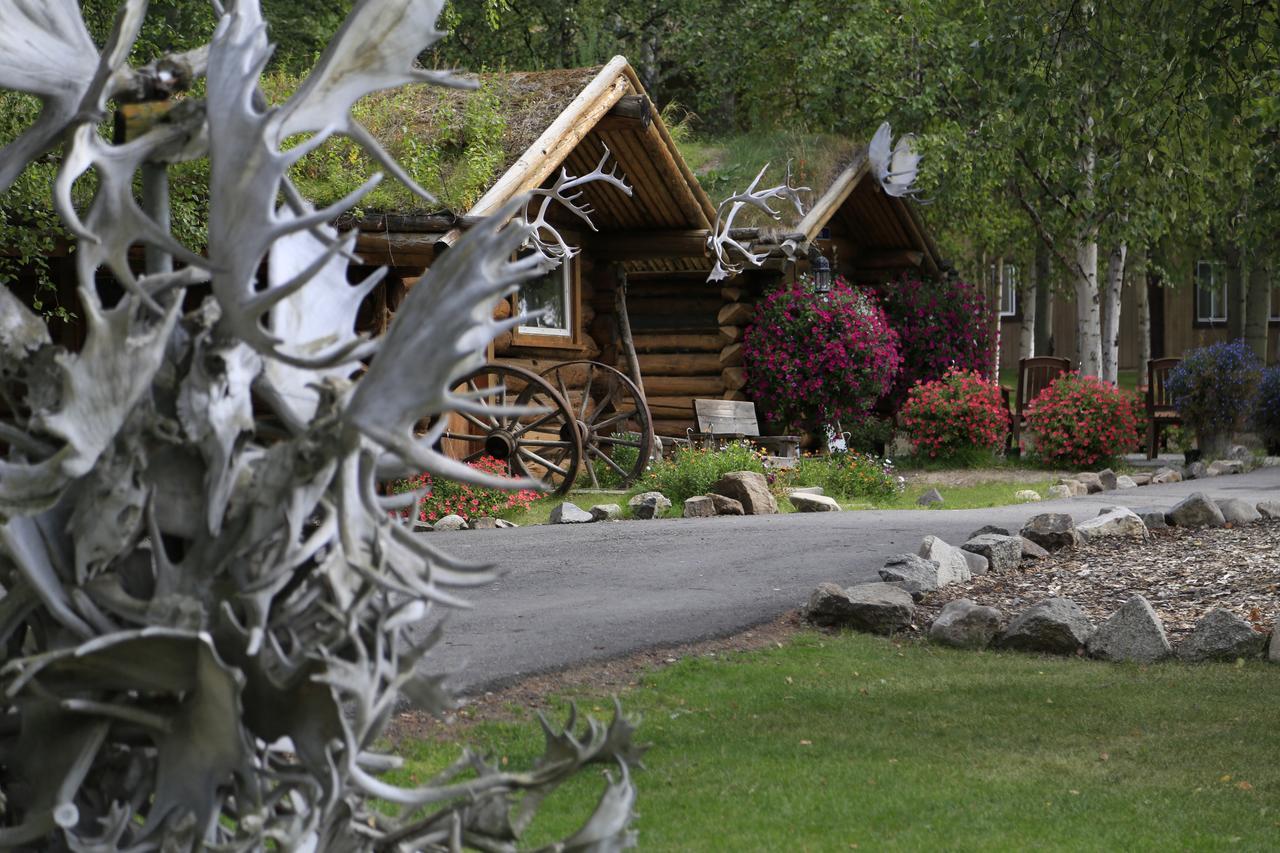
(624, 326)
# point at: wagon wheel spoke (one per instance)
(465, 436)
(493, 422)
(617, 442)
(542, 419)
(621, 416)
(586, 392)
(605, 458)
(545, 463)
(551, 442)
(472, 457)
(606, 401)
(476, 422)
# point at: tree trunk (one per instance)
(1027, 305)
(1088, 309)
(1111, 315)
(1236, 307)
(997, 299)
(1258, 300)
(1044, 301)
(1142, 301)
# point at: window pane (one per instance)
(550, 293)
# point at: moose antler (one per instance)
(895, 170)
(721, 242)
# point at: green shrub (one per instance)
(692, 471)
(624, 457)
(850, 476)
(449, 497)
(1080, 421)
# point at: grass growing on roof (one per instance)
(837, 742)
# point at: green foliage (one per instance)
(1214, 388)
(847, 476)
(1081, 421)
(624, 457)
(449, 497)
(692, 471)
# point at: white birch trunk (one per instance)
(1143, 302)
(1088, 313)
(998, 298)
(1111, 315)
(1027, 305)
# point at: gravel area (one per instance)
(1183, 573)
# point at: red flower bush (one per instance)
(449, 497)
(959, 411)
(813, 360)
(1079, 421)
(942, 325)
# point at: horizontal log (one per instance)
(676, 342)
(673, 427)
(502, 309)
(732, 294)
(680, 364)
(665, 288)
(731, 334)
(685, 324)
(648, 245)
(734, 395)
(637, 107)
(670, 407)
(575, 375)
(731, 356)
(735, 314)
(640, 304)
(396, 248)
(734, 378)
(676, 386)
(588, 314)
(502, 343)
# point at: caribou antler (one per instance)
(554, 248)
(721, 242)
(895, 170)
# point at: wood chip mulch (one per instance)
(1183, 573)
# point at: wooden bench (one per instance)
(1034, 375)
(1160, 410)
(730, 420)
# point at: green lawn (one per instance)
(1127, 380)
(842, 742)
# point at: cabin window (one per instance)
(1274, 313)
(1211, 292)
(553, 294)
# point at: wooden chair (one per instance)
(728, 420)
(1160, 410)
(1034, 375)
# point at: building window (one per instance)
(551, 294)
(1211, 292)
(1274, 313)
(1008, 291)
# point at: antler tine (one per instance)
(553, 246)
(722, 246)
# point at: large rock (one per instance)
(913, 571)
(451, 522)
(1139, 479)
(503, 524)
(1003, 553)
(1055, 625)
(1219, 467)
(1027, 495)
(1091, 481)
(1195, 471)
(749, 489)
(978, 565)
(726, 506)
(606, 512)
(805, 490)
(1052, 531)
(1132, 633)
(1059, 492)
(1032, 551)
(990, 528)
(1196, 510)
(699, 507)
(1237, 511)
(648, 505)
(1078, 489)
(1107, 478)
(930, 498)
(1269, 509)
(569, 513)
(1221, 635)
(1119, 521)
(484, 522)
(1153, 518)
(965, 625)
(813, 503)
(1166, 475)
(952, 566)
(1125, 482)
(876, 607)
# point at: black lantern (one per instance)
(820, 268)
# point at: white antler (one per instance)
(567, 190)
(721, 242)
(895, 169)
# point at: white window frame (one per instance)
(1009, 292)
(1217, 291)
(566, 272)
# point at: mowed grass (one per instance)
(850, 741)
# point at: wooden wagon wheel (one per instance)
(545, 446)
(611, 416)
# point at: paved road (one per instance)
(595, 591)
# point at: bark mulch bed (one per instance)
(1183, 573)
